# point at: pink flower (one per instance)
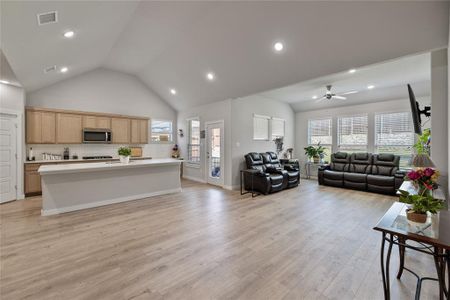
(428, 172)
(413, 175)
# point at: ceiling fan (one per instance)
(329, 95)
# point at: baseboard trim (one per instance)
(61, 210)
(232, 187)
(194, 179)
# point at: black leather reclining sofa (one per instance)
(377, 173)
(271, 176)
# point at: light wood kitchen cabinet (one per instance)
(68, 128)
(32, 179)
(120, 128)
(143, 126)
(41, 127)
(48, 127)
(139, 131)
(96, 122)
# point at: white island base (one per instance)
(70, 187)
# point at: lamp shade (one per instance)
(423, 161)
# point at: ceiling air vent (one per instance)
(47, 18)
(50, 69)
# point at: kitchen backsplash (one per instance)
(152, 150)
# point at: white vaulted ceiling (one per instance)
(174, 44)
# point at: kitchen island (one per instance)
(70, 187)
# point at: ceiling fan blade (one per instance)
(349, 92)
(340, 97)
(321, 99)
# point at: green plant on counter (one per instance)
(423, 142)
(124, 151)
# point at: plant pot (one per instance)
(415, 217)
(316, 159)
(124, 159)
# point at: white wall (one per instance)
(242, 111)
(12, 99)
(439, 109)
(209, 112)
(302, 118)
(105, 91)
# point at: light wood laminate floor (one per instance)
(310, 242)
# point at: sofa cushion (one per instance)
(381, 189)
(381, 180)
(293, 173)
(362, 186)
(276, 179)
(361, 163)
(335, 175)
(341, 155)
(332, 182)
(355, 177)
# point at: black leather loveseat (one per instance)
(377, 173)
(271, 176)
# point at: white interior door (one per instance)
(8, 158)
(215, 152)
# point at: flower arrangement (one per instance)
(279, 140)
(425, 181)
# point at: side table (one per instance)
(241, 181)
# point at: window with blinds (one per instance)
(352, 133)
(194, 141)
(261, 128)
(394, 134)
(320, 131)
(277, 128)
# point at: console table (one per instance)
(432, 238)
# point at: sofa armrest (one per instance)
(324, 167)
(399, 177)
(400, 174)
(291, 168)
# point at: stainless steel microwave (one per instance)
(97, 136)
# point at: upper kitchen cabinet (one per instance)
(139, 131)
(69, 128)
(96, 122)
(40, 127)
(120, 128)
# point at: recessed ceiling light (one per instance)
(4, 81)
(370, 87)
(69, 34)
(352, 71)
(314, 97)
(64, 69)
(210, 76)
(278, 46)
(173, 92)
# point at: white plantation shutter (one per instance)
(394, 134)
(277, 128)
(352, 133)
(261, 127)
(319, 131)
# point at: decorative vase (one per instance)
(124, 159)
(316, 159)
(415, 217)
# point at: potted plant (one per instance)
(124, 154)
(316, 153)
(425, 181)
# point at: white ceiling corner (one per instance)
(173, 44)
